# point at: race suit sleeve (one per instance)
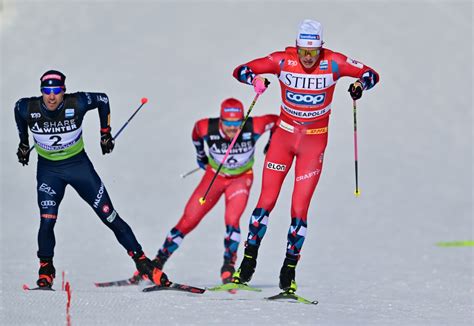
(270, 64)
(20, 119)
(99, 101)
(199, 135)
(353, 68)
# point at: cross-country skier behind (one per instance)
(55, 120)
(307, 74)
(234, 180)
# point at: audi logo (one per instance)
(46, 203)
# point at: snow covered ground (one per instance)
(371, 260)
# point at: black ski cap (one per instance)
(53, 78)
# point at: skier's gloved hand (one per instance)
(107, 143)
(202, 161)
(260, 84)
(23, 153)
(267, 146)
(355, 89)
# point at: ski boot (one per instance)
(247, 267)
(147, 268)
(287, 274)
(46, 272)
(160, 260)
(227, 271)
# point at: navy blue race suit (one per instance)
(62, 161)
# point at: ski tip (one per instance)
(151, 288)
(223, 287)
(466, 243)
(291, 296)
(44, 288)
(144, 100)
(234, 287)
(175, 287)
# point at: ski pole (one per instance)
(184, 175)
(202, 200)
(144, 101)
(357, 190)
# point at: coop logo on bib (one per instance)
(305, 99)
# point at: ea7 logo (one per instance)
(276, 166)
(305, 99)
(292, 63)
(35, 115)
(47, 189)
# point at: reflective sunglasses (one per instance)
(48, 90)
(305, 52)
(228, 123)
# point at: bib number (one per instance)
(57, 140)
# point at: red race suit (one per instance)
(302, 132)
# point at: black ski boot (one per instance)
(247, 266)
(287, 274)
(227, 271)
(147, 268)
(160, 260)
(46, 272)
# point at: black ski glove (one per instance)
(23, 153)
(107, 143)
(355, 89)
(202, 161)
(267, 146)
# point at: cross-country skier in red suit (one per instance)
(234, 180)
(307, 74)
